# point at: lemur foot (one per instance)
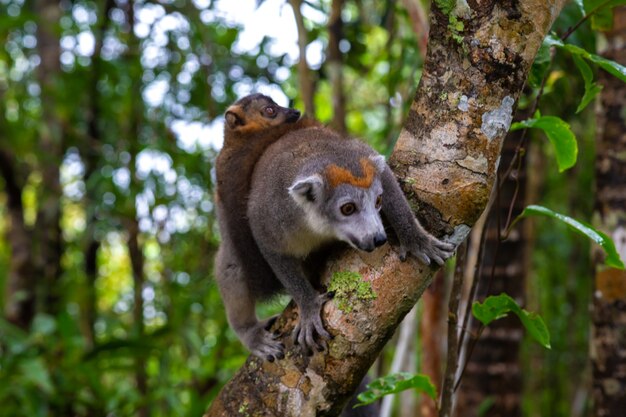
(429, 249)
(310, 332)
(262, 343)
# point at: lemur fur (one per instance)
(311, 188)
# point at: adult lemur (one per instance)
(251, 125)
(310, 187)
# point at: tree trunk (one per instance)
(446, 158)
(19, 295)
(304, 73)
(334, 64)
(493, 371)
(419, 22)
(91, 156)
(35, 264)
(47, 243)
(130, 220)
(432, 332)
(608, 350)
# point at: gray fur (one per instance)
(293, 211)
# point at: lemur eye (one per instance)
(270, 111)
(379, 201)
(348, 209)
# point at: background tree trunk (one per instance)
(432, 331)
(608, 347)
(19, 295)
(92, 156)
(446, 158)
(305, 78)
(130, 221)
(35, 264)
(334, 65)
(493, 372)
(419, 22)
(47, 245)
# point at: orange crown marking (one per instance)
(337, 175)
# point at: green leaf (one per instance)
(34, 371)
(609, 66)
(559, 134)
(612, 257)
(540, 65)
(43, 325)
(446, 6)
(581, 7)
(499, 306)
(591, 89)
(602, 17)
(485, 406)
(395, 383)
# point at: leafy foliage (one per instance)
(591, 88)
(560, 136)
(138, 117)
(394, 383)
(139, 111)
(582, 228)
(499, 306)
(601, 12)
(611, 67)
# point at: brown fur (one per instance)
(337, 175)
(247, 134)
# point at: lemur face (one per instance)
(353, 215)
(258, 112)
(343, 205)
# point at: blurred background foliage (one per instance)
(124, 99)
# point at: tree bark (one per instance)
(446, 159)
(608, 350)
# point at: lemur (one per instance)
(310, 188)
(251, 125)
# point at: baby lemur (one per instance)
(251, 125)
(310, 187)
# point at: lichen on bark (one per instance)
(349, 287)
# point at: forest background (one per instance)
(110, 121)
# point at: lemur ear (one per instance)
(307, 190)
(379, 162)
(233, 120)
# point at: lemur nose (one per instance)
(293, 115)
(380, 239)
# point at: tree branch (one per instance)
(447, 156)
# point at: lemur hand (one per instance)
(427, 248)
(310, 332)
